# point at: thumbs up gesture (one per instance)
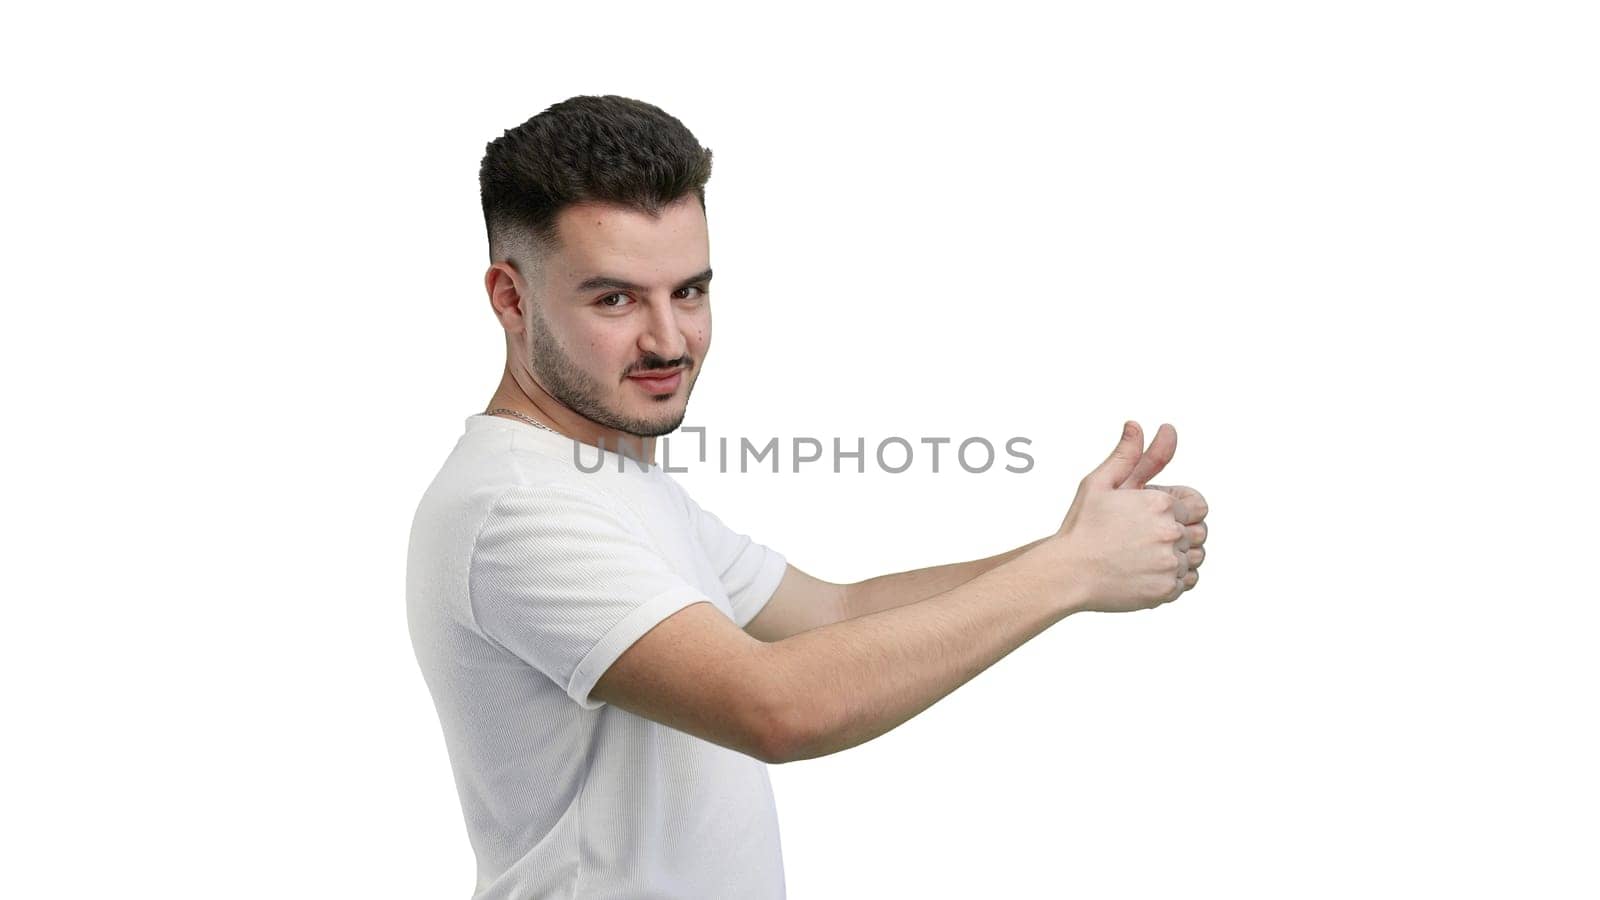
(1132, 545)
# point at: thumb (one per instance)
(1122, 460)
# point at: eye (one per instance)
(700, 291)
(602, 301)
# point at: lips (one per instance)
(659, 381)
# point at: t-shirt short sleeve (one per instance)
(749, 571)
(565, 580)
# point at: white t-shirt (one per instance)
(526, 578)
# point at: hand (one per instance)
(1128, 545)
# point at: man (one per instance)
(613, 666)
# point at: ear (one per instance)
(507, 292)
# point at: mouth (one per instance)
(658, 382)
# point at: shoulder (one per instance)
(556, 505)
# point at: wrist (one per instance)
(1065, 576)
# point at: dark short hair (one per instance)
(587, 148)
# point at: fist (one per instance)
(1129, 546)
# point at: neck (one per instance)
(534, 401)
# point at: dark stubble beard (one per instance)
(575, 388)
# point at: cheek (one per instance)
(605, 343)
(700, 332)
(601, 354)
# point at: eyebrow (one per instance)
(604, 281)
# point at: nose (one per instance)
(663, 334)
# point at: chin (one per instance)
(665, 424)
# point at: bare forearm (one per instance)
(846, 683)
(888, 591)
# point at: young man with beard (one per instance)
(613, 666)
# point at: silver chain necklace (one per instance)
(511, 412)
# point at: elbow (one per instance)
(771, 749)
(780, 735)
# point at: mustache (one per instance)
(655, 363)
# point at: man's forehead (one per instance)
(604, 245)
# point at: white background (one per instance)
(1348, 250)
